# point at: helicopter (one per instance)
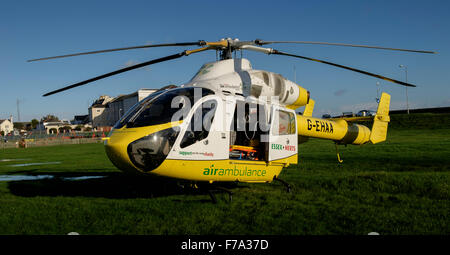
(230, 122)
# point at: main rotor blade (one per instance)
(151, 62)
(345, 67)
(199, 43)
(261, 42)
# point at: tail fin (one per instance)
(381, 120)
(309, 108)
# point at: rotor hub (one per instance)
(227, 52)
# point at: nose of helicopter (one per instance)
(141, 149)
(116, 150)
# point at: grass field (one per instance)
(401, 186)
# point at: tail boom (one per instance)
(345, 132)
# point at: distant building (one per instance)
(52, 127)
(106, 111)
(80, 120)
(64, 126)
(7, 125)
(121, 104)
(98, 114)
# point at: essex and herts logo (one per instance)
(276, 146)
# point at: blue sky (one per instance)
(33, 29)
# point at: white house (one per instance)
(7, 125)
(98, 112)
(106, 111)
(52, 127)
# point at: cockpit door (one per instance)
(283, 134)
(201, 136)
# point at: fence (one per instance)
(36, 140)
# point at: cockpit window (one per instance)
(132, 111)
(162, 108)
(150, 151)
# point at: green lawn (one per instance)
(400, 186)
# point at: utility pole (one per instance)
(406, 80)
(18, 110)
(378, 92)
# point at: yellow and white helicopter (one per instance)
(229, 123)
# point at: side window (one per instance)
(286, 123)
(200, 123)
(279, 86)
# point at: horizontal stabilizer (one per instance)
(354, 119)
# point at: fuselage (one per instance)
(217, 127)
(228, 123)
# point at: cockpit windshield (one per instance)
(132, 111)
(162, 107)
